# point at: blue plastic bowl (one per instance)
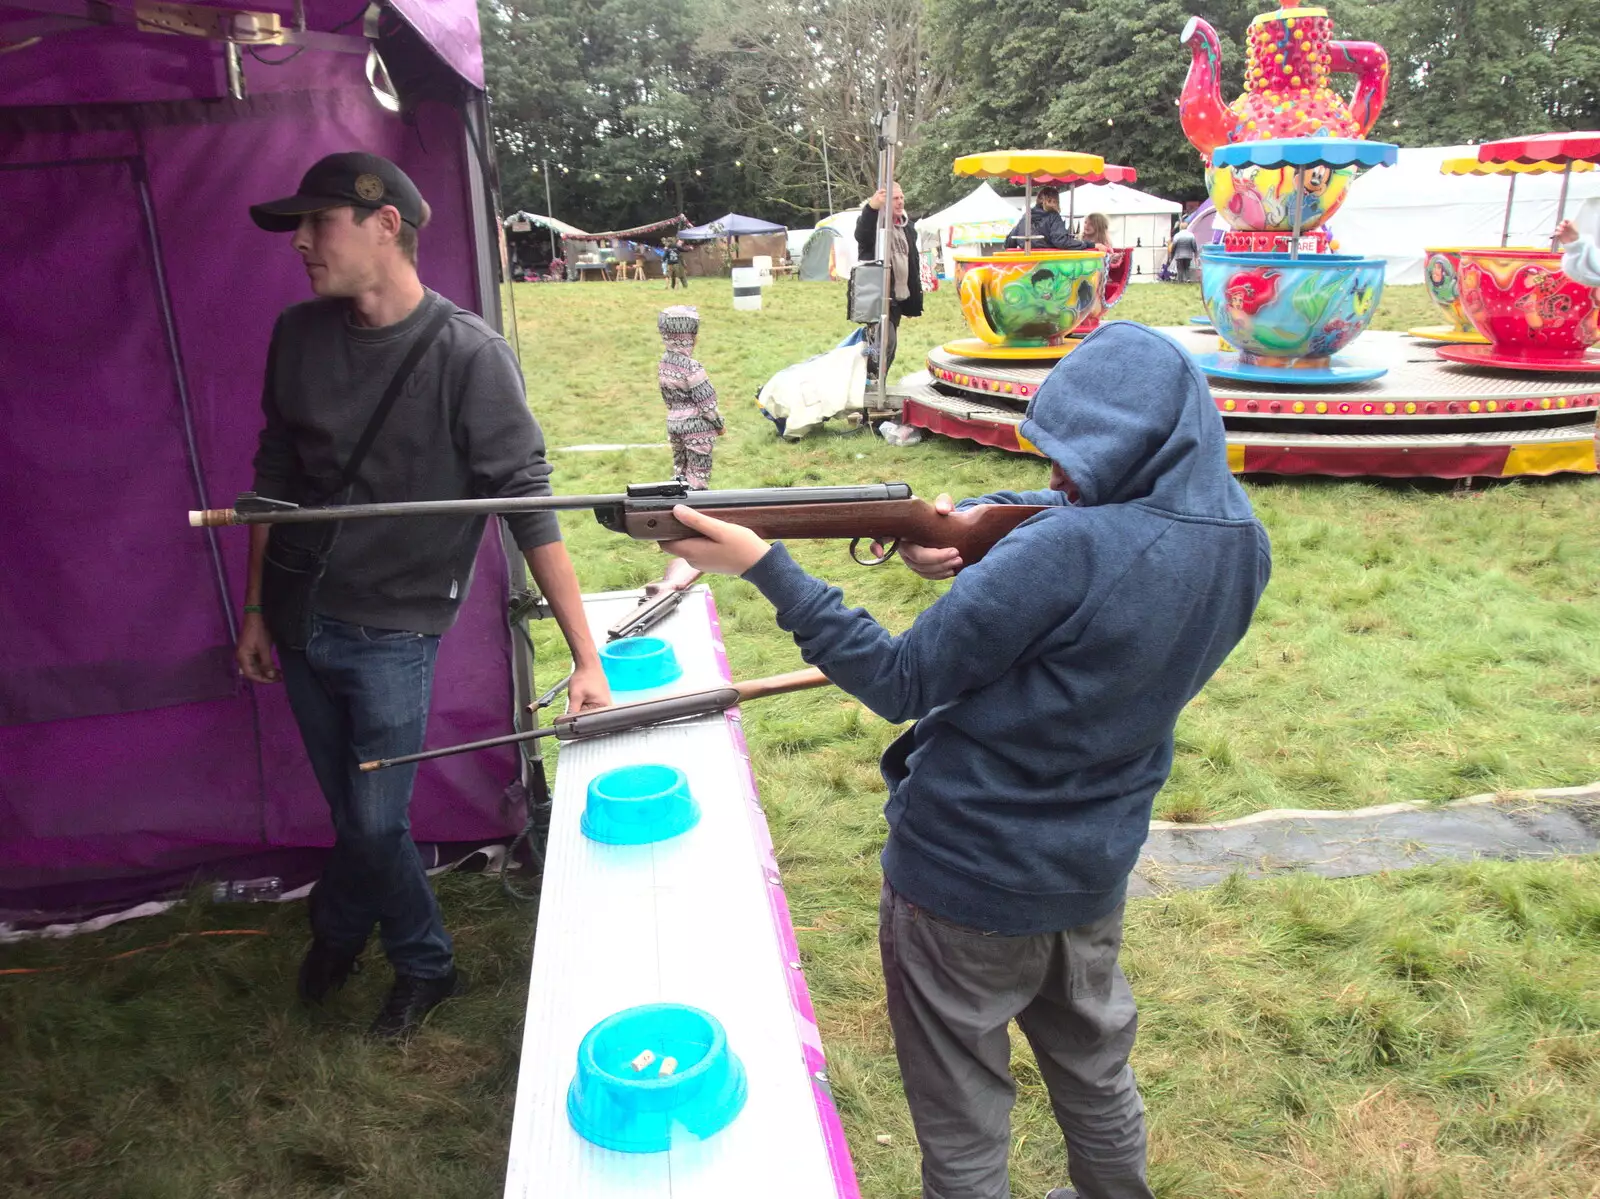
(634, 805)
(638, 663)
(641, 1111)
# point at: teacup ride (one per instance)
(1533, 316)
(1119, 265)
(1286, 315)
(1024, 305)
(1442, 268)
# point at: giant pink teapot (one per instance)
(1287, 94)
(1286, 90)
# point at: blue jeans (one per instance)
(360, 693)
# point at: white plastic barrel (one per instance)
(763, 268)
(746, 289)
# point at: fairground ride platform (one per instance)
(1424, 419)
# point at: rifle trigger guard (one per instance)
(887, 554)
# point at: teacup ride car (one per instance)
(1533, 316)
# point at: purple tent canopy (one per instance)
(732, 225)
(135, 307)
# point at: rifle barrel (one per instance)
(288, 514)
(624, 717)
(649, 497)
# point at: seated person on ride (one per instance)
(1049, 230)
(1096, 230)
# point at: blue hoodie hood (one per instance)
(1129, 417)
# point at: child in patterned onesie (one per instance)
(693, 424)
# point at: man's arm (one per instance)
(254, 650)
(558, 583)
(276, 463)
(867, 228)
(505, 453)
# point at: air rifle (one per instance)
(873, 512)
(600, 722)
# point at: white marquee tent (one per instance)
(1394, 212)
(981, 217)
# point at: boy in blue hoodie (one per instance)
(1045, 686)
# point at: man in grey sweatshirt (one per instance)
(360, 685)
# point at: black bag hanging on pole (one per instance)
(864, 297)
(297, 554)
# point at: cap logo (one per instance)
(369, 188)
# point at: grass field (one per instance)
(1425, 1035)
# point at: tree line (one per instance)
(627, 111)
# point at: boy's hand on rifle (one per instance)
(720, 548)
(925, 561)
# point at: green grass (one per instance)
(1416, 642)
(1427, 1035)
(1423, 1035)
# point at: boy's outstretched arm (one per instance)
(967, 639)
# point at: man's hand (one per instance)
(720, 548)
(254, 651)
(925, 561)
(1566, 233)
(876, 202)
(588, 689)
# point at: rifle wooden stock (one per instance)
(973, 532)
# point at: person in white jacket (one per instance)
(1580, 257)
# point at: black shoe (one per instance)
(325, 969)
(410, 1000)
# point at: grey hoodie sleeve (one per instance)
(974, 633)
(276, 462)
(503, 443)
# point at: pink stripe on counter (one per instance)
(805, 1018)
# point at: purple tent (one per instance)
(732, 225)
(136, 302)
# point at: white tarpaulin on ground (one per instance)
(808, 393)
(1139, 221)
(1395, 212)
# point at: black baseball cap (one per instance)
(354, 179)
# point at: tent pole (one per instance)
(1561, 204)
(1027, 212)
(1299, 211)
(180, 380)
(1505, 228)
(1072, 204)
(549, 212)
(888, 131)
(827, 175)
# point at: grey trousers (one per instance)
(953, 992)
